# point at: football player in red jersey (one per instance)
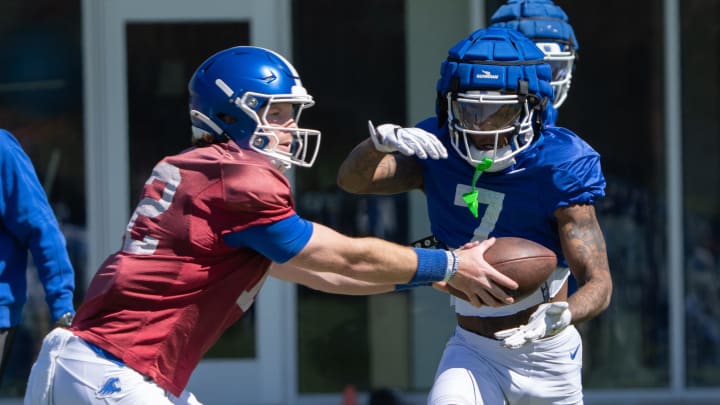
(213, 222)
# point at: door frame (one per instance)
(270, 378)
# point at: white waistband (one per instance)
(546, 291)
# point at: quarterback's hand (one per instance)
(548, 320)
(443, 286)
(477, 280)
(389, 138)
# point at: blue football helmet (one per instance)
(492, 91)
(228, 95)
(547, 25)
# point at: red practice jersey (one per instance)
(167, 296)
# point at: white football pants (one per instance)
(475, 370)
(69, 372)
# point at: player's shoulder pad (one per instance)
(431, 125)
(254, 185)
(564, 144)
(575, 165)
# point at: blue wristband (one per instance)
(432, 265)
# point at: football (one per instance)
(527, 262)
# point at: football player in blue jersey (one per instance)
(496, 170)
(546, 24)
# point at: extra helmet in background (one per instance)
(228, 92)
(494, 82)
(547, 25)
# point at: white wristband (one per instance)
(453, 261)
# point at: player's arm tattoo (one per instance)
(367, 171)
(584, 248)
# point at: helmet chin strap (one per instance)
(471, 198)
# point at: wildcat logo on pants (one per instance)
(110, 386)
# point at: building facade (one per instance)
(96, 92)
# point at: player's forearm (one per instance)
(377, 261)
(348, 286)
(584, 246)
(368, 171)
(365, 259)
(592, 298)
(358, 171)
(327, 282)
(368, 259)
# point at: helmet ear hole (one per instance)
(226, 118)
(205, 121)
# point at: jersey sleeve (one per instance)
(577, 176)
(279, 241)
(581, 182)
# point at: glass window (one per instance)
(41, 104)
(355, 71)
(700, 46)
(616, 104)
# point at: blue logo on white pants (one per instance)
(574, 353)
(109, 387)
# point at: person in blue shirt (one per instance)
(546, 24)
(27, 223)
(490, 167)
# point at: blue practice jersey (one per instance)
(558, 170)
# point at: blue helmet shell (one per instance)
(221, 80)
(495, 59)
(539, 20)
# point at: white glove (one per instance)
(548, 320)
(390, 138)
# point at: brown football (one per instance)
(527, 262)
